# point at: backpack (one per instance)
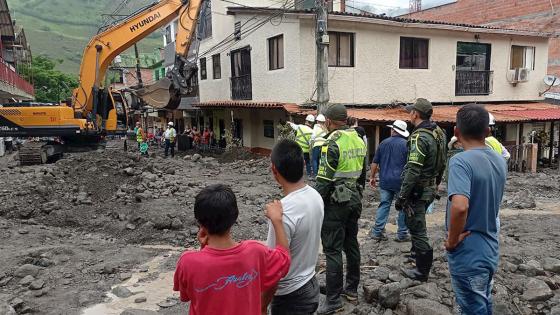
(441, 150)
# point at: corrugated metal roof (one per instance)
(409, 21)
(503, 113)
(244, 104)
(6, 23)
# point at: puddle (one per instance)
(155, 290)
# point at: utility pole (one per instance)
(322, 65)
(138, 71)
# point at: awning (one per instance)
(537, 115)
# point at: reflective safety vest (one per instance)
(319, 141)
(319, 134)
(494, 144)
(303, 137)
(352, 152)
(139, 137)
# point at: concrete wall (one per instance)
(376, 77)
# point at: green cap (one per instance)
(422, 105)
(336, 112)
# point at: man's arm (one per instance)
(374, 168)
(458, 219)
(327, 168)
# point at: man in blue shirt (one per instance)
(390, 160)
(477, 178)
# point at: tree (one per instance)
(51, 85)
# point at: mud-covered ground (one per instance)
(100, 232)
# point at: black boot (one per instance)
(352, 280)
(411, 257)
(424, 262)
(333, 303)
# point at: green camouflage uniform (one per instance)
(421, 176)
(340, 181)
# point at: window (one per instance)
(216, 67)
(237, 30)
(168, 38)
(205, 25)
(203, 74)
(276, 52)
(341, 49)
(414, 53)
(156, 74)
(268, 128)
(522, 57)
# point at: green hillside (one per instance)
(61, 29)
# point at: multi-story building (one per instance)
(258, 68)
(15, 55)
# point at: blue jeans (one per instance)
(473, 293)
(307, 164)
(315, 157)
(382, 215)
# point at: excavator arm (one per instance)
(104, 47)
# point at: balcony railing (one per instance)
(241, 88)
(10, 77)
(473, 82)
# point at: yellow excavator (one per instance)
(95, 110)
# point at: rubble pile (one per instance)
(75, 229)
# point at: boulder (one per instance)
(426, 291)
(196, 157)
(426, 307)
(536, 291)
(26, 280)
(381, 273)
(37, 285)
(27, 270)
(121, 292)
(371, 290)
(389, 295)
(6, 309)
(551, 264)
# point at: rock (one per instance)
(37, 285)
(532, 268)
(395, 276)
(121, 292)
(389, 295)
(187, 157)
(162, 222)
(555, 310)
(129, 171)
(371, 290)
(170, 171)
(130, 226)
(501, 308)
(125, 276)
(109, 269)
(23, 231)
(425, 307)
(176, 224)
(406, 283)
(5, 281)
(193, 231)
(426, 291)
(39, 293)
(196, 157)
(27, 270)
(509, 267)
(141, 299)
(16, 303)
(26, 280)
(167, 304)
(536, 291)
(138, 312)
(388, 312)
(138, 197)
(6, 309)
(381, 273)
(551, 264)
(523, 199)
(45, 262)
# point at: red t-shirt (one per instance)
(229, 281)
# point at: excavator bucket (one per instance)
(161, 95)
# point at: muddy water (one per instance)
(158, 288)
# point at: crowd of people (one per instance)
(250, 277)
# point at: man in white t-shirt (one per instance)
(298, 292)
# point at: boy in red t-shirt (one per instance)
(226, 277)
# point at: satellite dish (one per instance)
(551, 80)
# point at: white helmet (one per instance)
(491, 120)
(321, 118)
(170, 123)
(310, 118)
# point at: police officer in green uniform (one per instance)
(340, 181)
(421, 176)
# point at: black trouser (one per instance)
(340, 233)
(302, 301)
(169, 145)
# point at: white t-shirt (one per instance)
(170, 133)
(303, 218)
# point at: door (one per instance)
(238, 131)
(241, 86)
(473, 75)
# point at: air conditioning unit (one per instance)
(519, 75)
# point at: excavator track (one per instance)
(32, 153)
(39, 152)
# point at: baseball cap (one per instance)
(336, 112)
(421, 105)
